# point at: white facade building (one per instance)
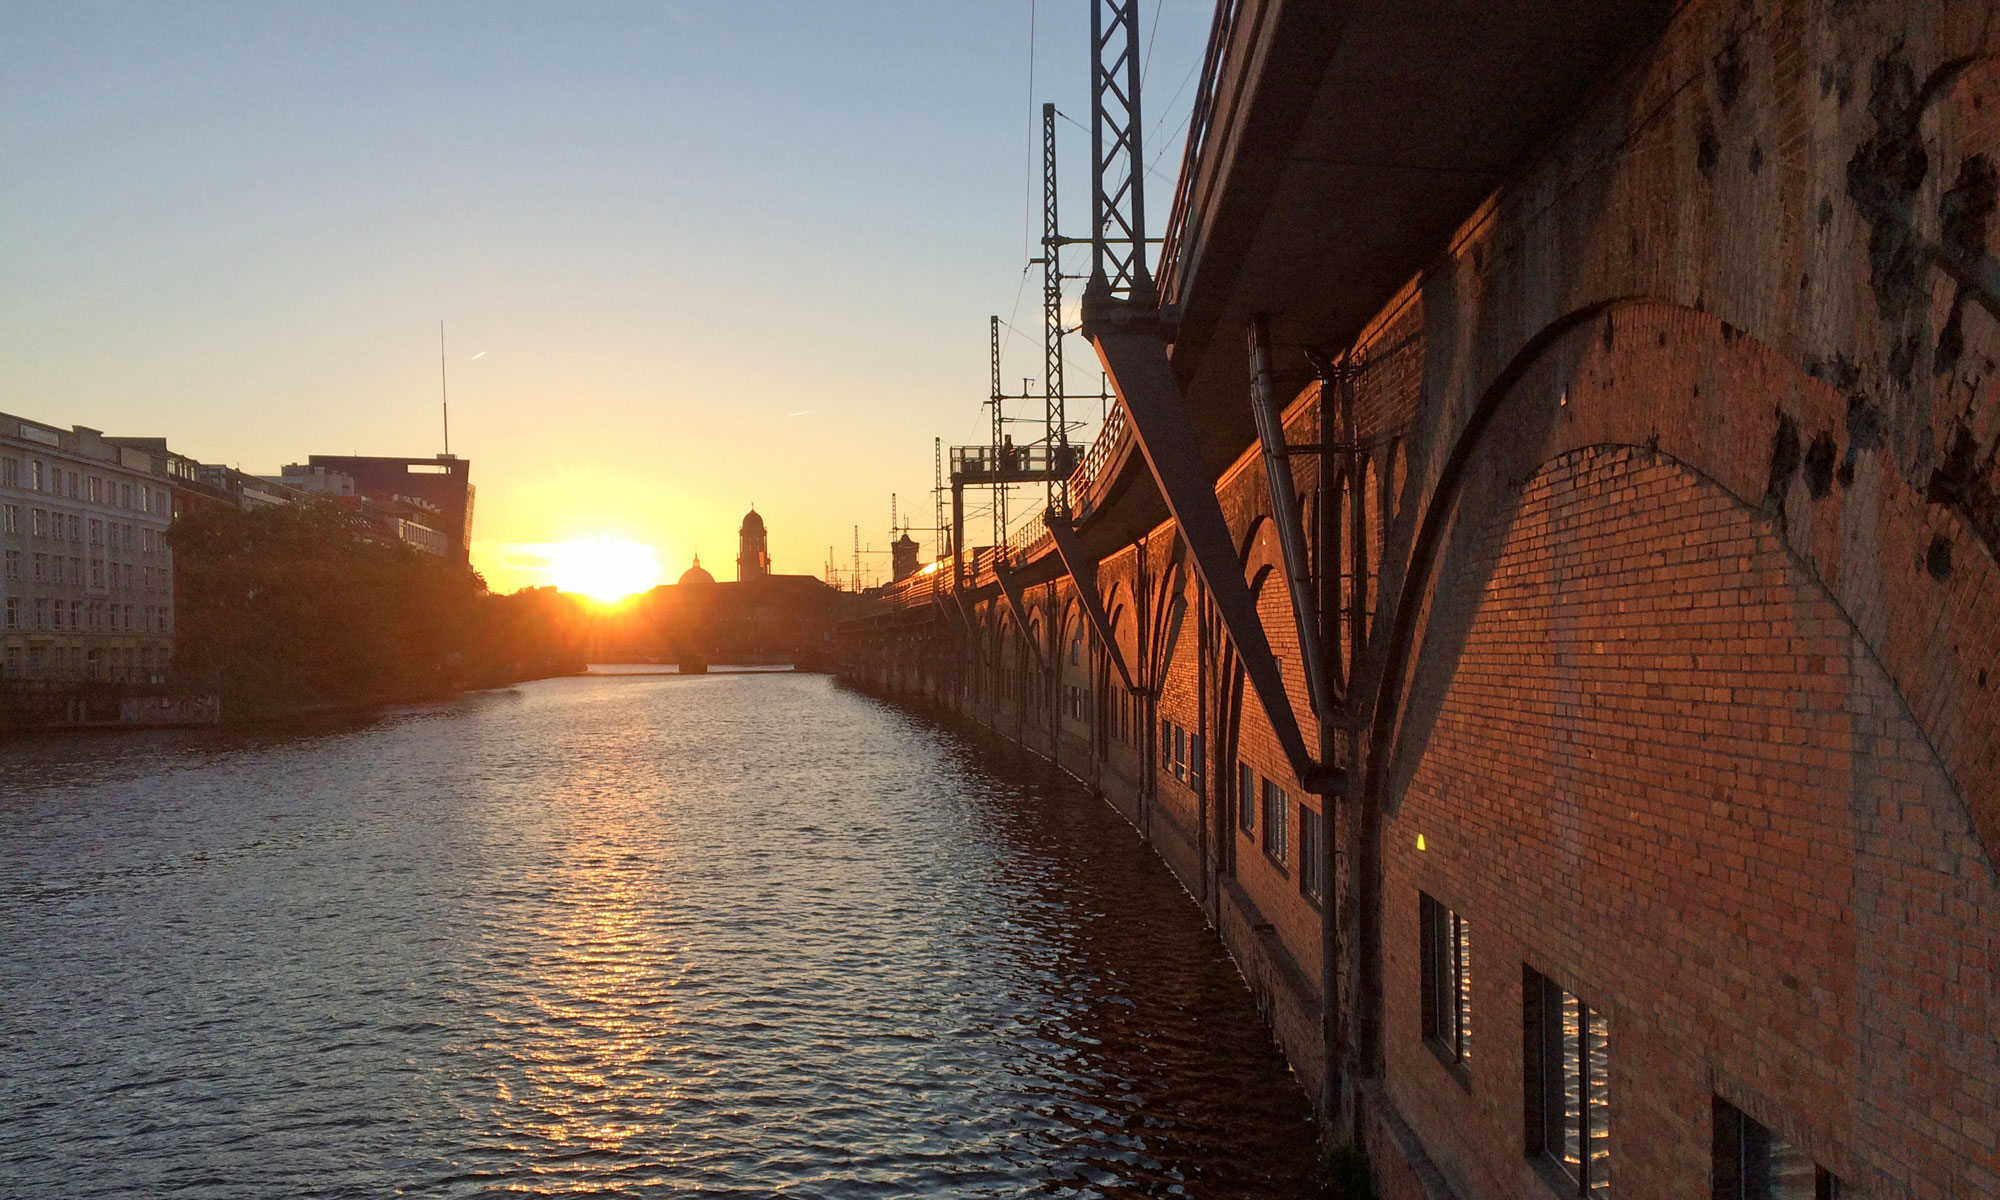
(86, 578)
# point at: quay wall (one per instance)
(1681, 633)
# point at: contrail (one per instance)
(802, 412)
(481, 354)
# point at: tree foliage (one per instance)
(291, 608)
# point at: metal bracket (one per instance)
(1012, 589)
(1084, 571)
(1136, 360)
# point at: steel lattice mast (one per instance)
(1117, 201)
(1052, 361)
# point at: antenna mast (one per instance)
(444, 391)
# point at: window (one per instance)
(41, 614)
(1246, 797)
(38, 522)
(93, 488)
(13, 564)
(75, 528)
(124, 495)
(35, 470)
(1752, 1163)
(1076, 650)
(41, 567)
(76, 614)
(1277, 822)
(1568, 1101)
(14, 622)
(97, 572)
(11, 518)
(1312, 855)
(96, 532)
(10, 472)
(57, 573)
(1447, 984)
(72, 489)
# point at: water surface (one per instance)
(734, 935)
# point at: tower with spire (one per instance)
(753, 555)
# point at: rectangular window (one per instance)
(76, 614)
(72, 490)
(38, 522)
(1180, 754)
(1312, 855)
(1568, 1099)
(1197, 773)
(75, 528)
(1246, 798)
(41, 614)
(41, 567)
(97, 572)
(13, 564)
(1752, 1163)
(10, 516)
(58, 568)
(125, 495)
(13, 619)
(35, 470)
(1277, 822)
(10, 472)
(1446, 955)
(93, 490)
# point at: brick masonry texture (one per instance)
(1683, 649)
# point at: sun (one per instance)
(606, 570)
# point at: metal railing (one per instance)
(1183, 219)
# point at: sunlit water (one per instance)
(737, 935)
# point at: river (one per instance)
(733, 935)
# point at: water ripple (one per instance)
(639, 935)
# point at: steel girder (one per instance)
(1083, 571)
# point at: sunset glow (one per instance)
(605, 569)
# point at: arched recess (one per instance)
(1918, 590)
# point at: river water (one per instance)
(734, 935)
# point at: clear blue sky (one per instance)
(663, 228)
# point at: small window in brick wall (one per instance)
(1246, 798)
(1447, 983)
(1752, 1163)
(1567, 1048)
(1277, 823)
(1181, 755)
(1312, 855)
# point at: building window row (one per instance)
(1076, 703)
(1566, 1085)
(1181, 755)
(77, 662)
(48, 477)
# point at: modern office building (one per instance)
(441, 486)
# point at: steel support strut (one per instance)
(1285, 515)
(1136, 360)
(1012, 590)
(1083, 570)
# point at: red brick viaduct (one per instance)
(1674, 665)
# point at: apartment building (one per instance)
(86, 576)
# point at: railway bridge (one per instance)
(1538, 587)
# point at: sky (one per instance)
(689, 256)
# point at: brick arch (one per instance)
(1918, 590)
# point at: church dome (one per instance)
(752, 521)
(695, 574)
